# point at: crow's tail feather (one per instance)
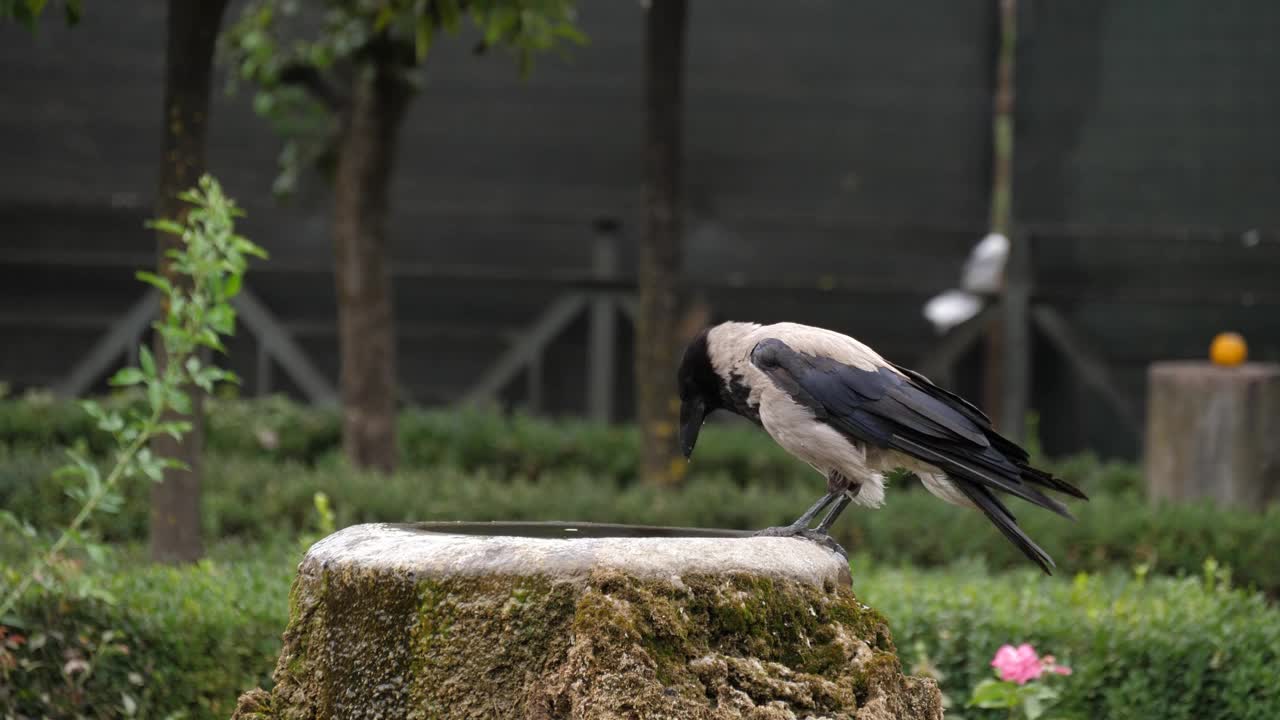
(1000, 516)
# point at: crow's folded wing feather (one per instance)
(901, 410)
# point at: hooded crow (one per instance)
(836, 404)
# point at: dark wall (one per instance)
(837, 172)
(1140, 112)
(1148, 159)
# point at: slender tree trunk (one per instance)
(366, 324)
(1001, 213)
(660, 249)
(192, 32)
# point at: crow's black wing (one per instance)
(1008, 448)
(905, 412)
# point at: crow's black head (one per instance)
(700, 391)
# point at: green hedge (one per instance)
(1161, 648)
(163, 643)
(254, 499)
(503, 445)
(1174, 649)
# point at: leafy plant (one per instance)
(197, 313)
(301, 76)
(1014, 689)
(1139, 646)
(179, 642)
(1175, 649)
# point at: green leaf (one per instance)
(174, 428)
(179, 401)
(167, 226)
(68, 471)
(177, 307)
(202, 382)
(422, 38)
(991, 693)
(97, 553)
(174, 464)
(209, 338)
(92, 409)
(128, 376)
(249, 248)
(149, 464)
(155, 395)
(111, 423)
(567, 31)
(231, 286)
(222, 319)
(148, 361)
(264, 103)
(1036, 697)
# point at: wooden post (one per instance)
(1016, 340)
(1212, 433)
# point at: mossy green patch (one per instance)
(602, 645)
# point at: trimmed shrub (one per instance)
(189, 640)
(505, 445)
(39, 420)
(1175, 649)
(253, 499)
(146, 641)
(1110, 531)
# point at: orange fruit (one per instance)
(1228, 348)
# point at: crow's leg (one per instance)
(820, 533)
(802, 523)
(841, 504)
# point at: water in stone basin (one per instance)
(565, 530)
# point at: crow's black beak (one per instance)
(692, 413)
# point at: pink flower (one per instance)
(1018, 664)
(1021, 664)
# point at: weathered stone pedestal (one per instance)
(581, 621)
(1213, 433)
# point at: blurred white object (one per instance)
(984, 270)
(951, 308)
(983, 275)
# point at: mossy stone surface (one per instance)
(391, 622)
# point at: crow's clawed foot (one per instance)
(816, 536)
(824, 540)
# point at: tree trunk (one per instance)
(660, 252)
(366, 324)
(997, 385)
(192, 31)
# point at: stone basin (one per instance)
(581, 621)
